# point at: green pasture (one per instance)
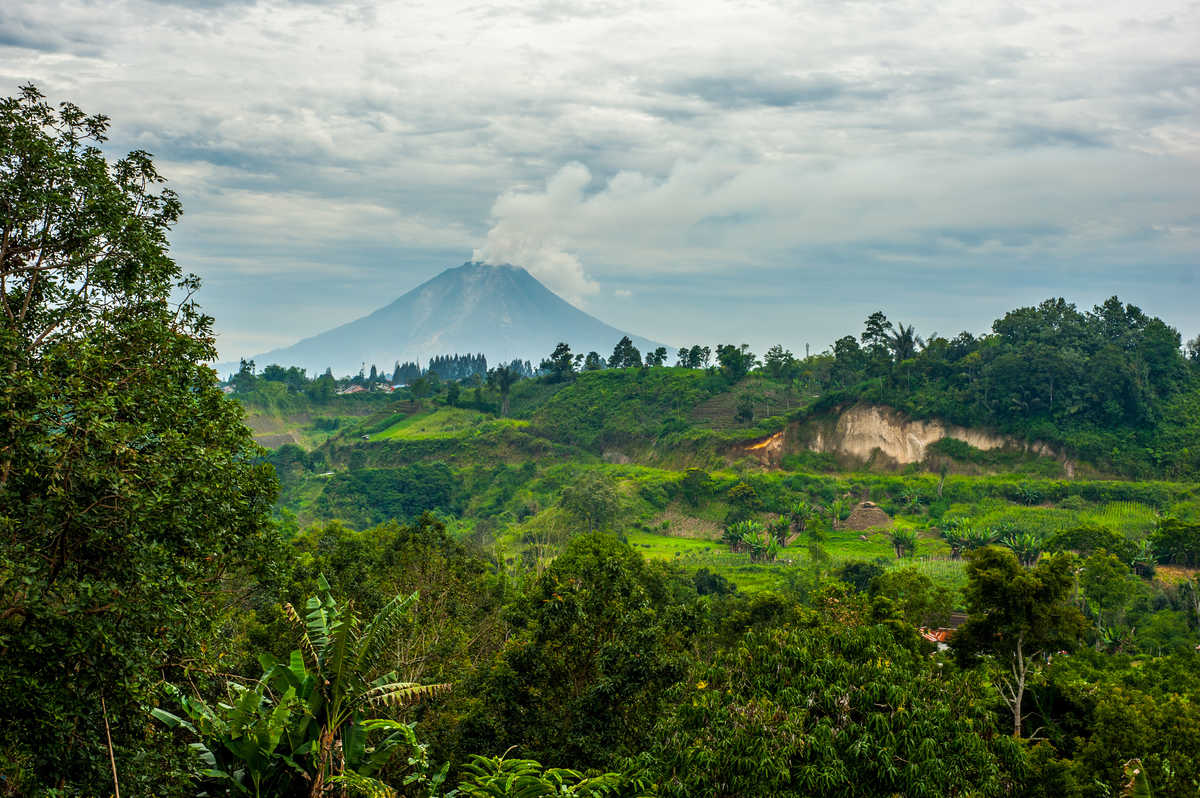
(442, 422)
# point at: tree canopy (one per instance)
(128, 485)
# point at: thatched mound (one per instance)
(867, 515)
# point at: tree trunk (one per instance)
(1019, 673)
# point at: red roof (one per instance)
(936, 635)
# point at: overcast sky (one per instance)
(692, 171)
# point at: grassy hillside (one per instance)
(669, 446)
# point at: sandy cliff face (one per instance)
(867, 432)
(862, 429)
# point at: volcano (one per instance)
(501, 311)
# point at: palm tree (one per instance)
(904, 342)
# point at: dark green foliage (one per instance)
(502, 380)
(693, 357)
(915, 597)
(736, 361)
(859, 574)
(1101, 711)
(1096, 383)
(695, 486)
(625, 355)
(780, 363)
(1019, 615)
(581, 680)
(371, 496)
(129, 487)
(710, 584)
(830, 706)
(1090, 538)
(561, 365)
(456, 367)
(1177, 542)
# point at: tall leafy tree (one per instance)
(779, 362)
(129, 487)
(592, 500)
(625, 355)
(1019, 616)
(560, 365)
(695, 357)
(582, 678)
(736, 361)
(877, 333)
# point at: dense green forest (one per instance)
(593, 577)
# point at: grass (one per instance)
(442, 422)
(694, 554)
(1131, 519)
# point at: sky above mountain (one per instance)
(693, 171)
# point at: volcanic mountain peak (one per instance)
(501, 311)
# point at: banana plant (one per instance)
(780, 529)
(734, 536)
(498, 777)
(1026, 545)
(904, 542)
(241, 740)
(800, 514)
(839, 510)
(339, 673)
(953, 532)
(1145, 559)
(306, 719)
(976, 537)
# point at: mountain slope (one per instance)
(501, 311)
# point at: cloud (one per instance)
(527, 233)
(802, 155)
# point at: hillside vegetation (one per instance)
(615, 577)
